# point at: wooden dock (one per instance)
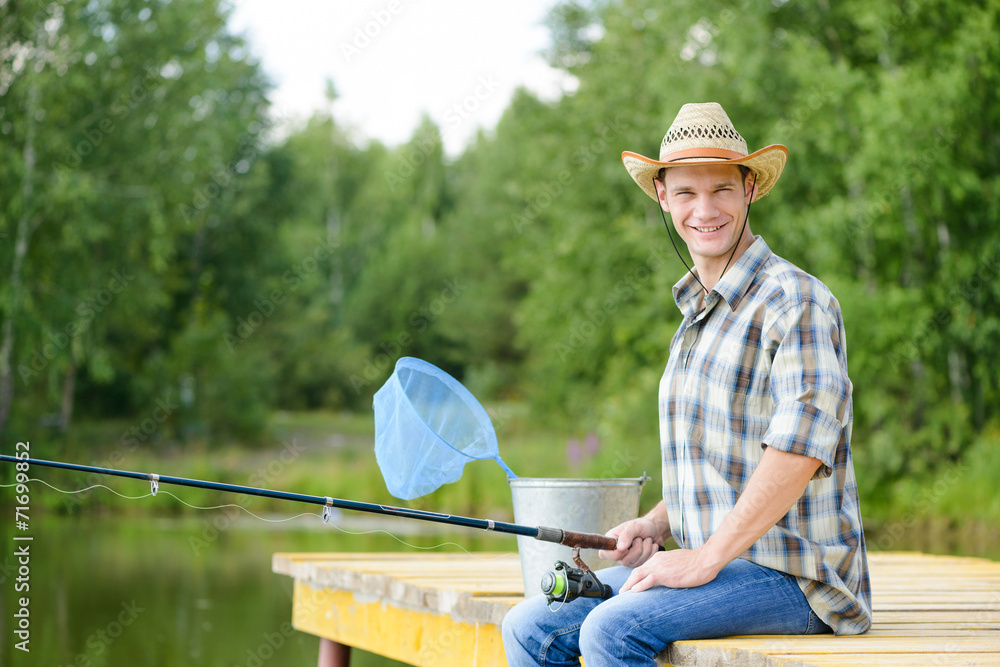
(445, 609)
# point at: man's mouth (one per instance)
(707, 230)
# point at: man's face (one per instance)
(707, 204)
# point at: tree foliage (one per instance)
(173, 246)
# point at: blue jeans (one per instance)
(632, 628)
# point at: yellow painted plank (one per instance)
(418, 638)
(408, 579)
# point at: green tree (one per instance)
(136, 167)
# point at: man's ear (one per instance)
(750, 187)
(661, 194)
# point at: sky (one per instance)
(390, 61)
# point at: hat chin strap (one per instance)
(733, 253)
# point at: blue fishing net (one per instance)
(427, 427)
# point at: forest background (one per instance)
(178, 276)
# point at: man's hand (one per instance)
(638, 539)
(680, 568)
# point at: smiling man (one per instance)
(759, 492)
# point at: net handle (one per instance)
(510, 473)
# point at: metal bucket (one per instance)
(582, 505)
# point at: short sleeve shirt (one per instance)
(762, 362)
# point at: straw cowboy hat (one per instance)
(703, 134)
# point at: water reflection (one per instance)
(972, 538)
(106, 591)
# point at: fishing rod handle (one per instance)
(589, 541)
(573, 539)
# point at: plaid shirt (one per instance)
(764, 364)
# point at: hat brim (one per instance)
(767, 164)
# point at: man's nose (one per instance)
(705, 208)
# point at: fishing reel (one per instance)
(565, 583)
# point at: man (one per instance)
(759, 492)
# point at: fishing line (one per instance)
(542, 533)
(149, 495)
(256, 516)
(562, 603)
(69, 493)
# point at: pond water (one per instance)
(175, 592)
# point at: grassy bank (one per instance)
(331, 454)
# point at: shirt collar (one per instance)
(732, 287)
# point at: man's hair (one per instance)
(744, 172)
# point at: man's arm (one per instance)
(775, 486)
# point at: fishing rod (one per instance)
(542, 533)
